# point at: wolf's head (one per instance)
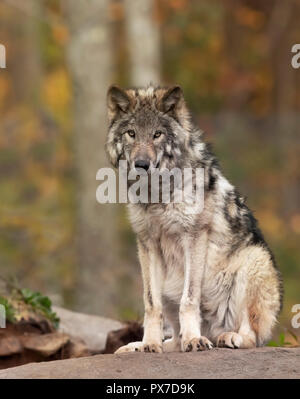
(147, 127)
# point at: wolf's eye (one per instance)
(131, 133)
(157, 134)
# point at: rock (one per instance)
(218, 363)
(92, 330)
(76, 347)
(132, 332)
(10, 346)
(45, 344)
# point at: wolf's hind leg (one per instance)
(245, 337)
(254, 300)
(138, 346)
(169, 345)
(132, 347)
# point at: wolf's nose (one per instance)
(142, 164)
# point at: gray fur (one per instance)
(210, 273)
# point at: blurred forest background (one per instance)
(233, 61)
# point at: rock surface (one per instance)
(45, 344)
(91, 329)
(218, 363)
(9, 346)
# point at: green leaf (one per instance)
(40, 303)
(272, 343)
(281, 339)
(45, 301)
(27, 294)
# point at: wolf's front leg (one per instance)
(153, 320)
(189, 311)
(152, 280)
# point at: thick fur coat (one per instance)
(210, 273)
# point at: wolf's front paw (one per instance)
(152, 347)
(230, 340)
(196, 344)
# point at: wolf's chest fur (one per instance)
(166, 225)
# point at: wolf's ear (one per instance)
(172, 100)
(117, 101)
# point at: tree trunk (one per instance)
(143, 42)
(89, 58)
(27, 68)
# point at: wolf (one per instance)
(209, 273)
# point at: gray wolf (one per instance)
(210, 274)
